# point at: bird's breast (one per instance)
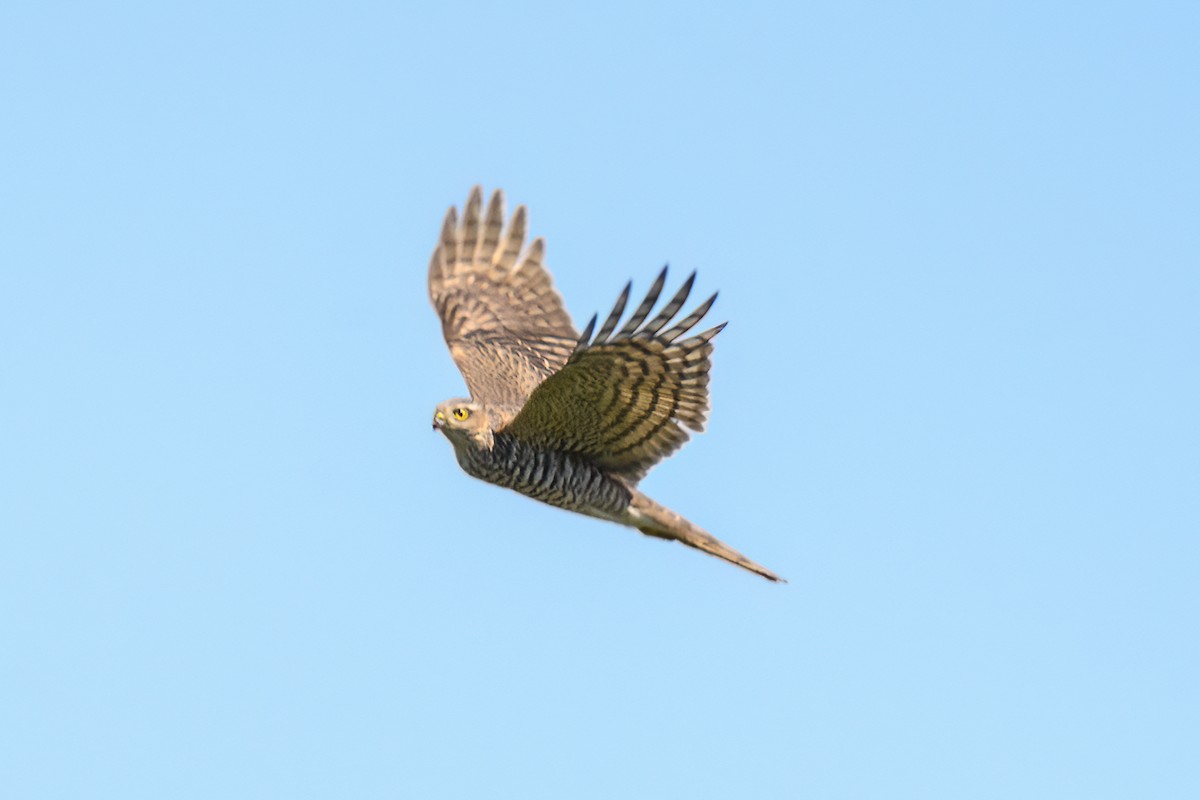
(558, 478)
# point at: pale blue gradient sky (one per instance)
(956, 404)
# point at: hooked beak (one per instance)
(439, 419)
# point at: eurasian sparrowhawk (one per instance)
(572, 420)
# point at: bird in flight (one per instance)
(575, 421)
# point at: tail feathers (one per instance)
(654, 520)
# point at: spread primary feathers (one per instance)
(572, 420)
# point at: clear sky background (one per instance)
(956, 404)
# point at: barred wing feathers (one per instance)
(626, 400)
(502, 319)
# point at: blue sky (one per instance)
(956, 404)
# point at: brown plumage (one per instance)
(503, 321)
(574, 421)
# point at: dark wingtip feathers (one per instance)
(586, 336)
(687, 323)
(639, 316)
(708, 335)
(670, 309)
(650, 330)
(614, 316)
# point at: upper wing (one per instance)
(503, 321)
(623, 403)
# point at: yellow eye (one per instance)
(461, 413)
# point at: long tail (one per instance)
(654, 520)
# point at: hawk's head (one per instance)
(463, 422)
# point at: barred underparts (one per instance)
(572, 420)
(558, 478)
